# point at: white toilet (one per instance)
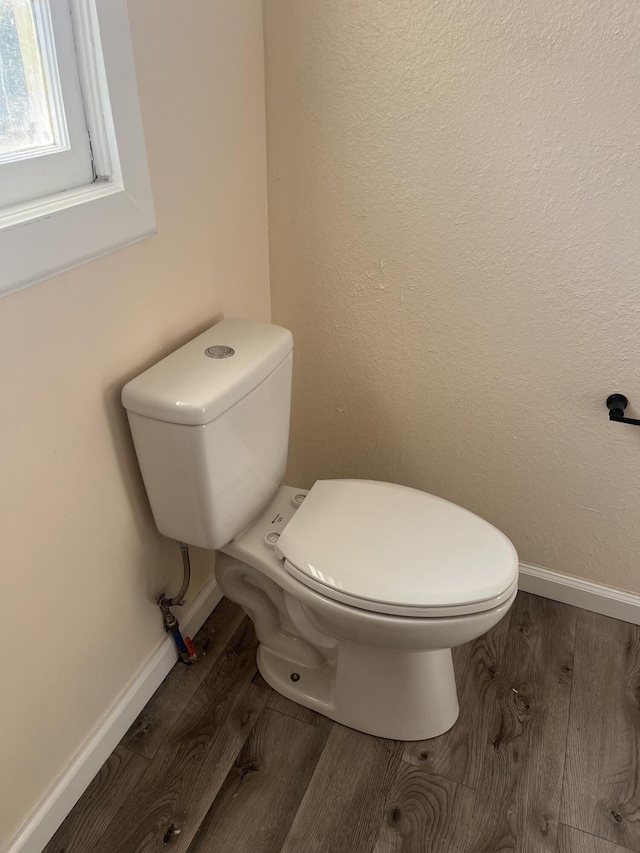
(358, 589)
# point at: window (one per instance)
(44, 140)
(30, 120)
(74, 181)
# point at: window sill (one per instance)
(69, 229)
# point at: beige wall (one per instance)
(81, 559)
(454, 216)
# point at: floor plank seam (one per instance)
(593, 835)
(148, 758)
(291, 716)
(432, 774)
(569, 709)
(392, 752)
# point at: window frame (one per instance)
(56, 232)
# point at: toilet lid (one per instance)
(391, 548)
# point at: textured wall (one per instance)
(454, 228)
(81, 558)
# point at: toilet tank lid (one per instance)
(193, 388)
(381, 542)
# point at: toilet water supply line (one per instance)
(186, 649)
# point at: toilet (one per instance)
(358, 589)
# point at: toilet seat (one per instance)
(396, 550)
(387, 609)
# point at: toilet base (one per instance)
(397, 693)
(390, 693)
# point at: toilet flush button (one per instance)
(271, 539)
(219, 352)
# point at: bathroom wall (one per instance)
(454, 221)
(81, 559)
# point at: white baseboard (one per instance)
(596, 597)
(45, 819)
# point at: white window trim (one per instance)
(42, 238)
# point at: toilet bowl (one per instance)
(358, 589)
(378, 666)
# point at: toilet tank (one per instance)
(210, 424)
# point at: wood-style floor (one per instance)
(543, 758)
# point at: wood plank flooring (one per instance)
(544, 757)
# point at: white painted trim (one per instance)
(596, 597)
(45, 819)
